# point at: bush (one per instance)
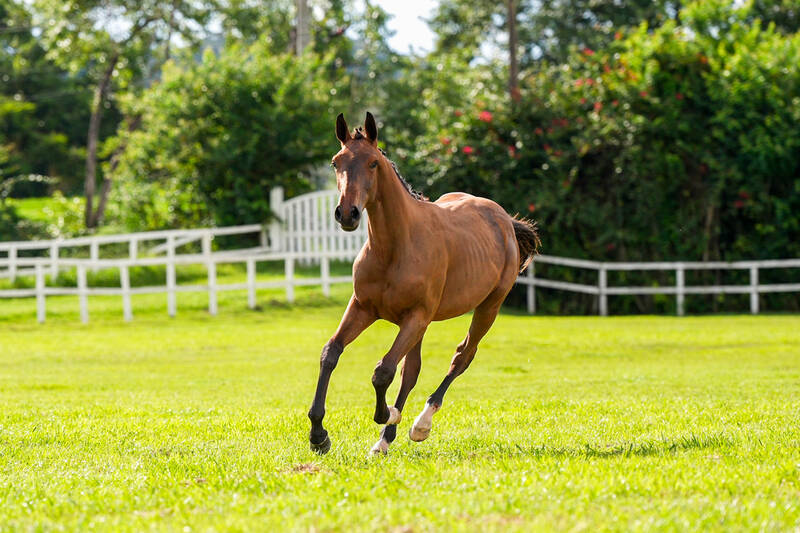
(215, 136)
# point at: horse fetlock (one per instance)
(316, 416)
(421, 428)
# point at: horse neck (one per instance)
(390, 213)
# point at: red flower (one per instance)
(617, 36)
(549, 130)
(578, 82)
(588, 51)
(538, 131)
(457, 113)
(643, 94)
(738, 204)
(606, 68)
(614, 102)
(546, 147)
(679, 96)
(485, 116)
(531, 207)
(598, 106)
(610, 246)
(583, 101)
(589, 81)
(468, 149)
(558, 153)
(512, 150)
(445, 141)
(744, 195)
(565, 184)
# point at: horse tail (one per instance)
(527, 240)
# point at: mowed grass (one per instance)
(199, 423)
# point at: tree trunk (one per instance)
(513, 67)
(133, 125)
(99, 99)
(303, 34)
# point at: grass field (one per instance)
(198, 423)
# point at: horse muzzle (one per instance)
(347, 219)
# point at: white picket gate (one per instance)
(306, 233)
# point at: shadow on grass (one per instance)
(647, 448)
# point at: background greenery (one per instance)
(637, 131)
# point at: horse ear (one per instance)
(342, 133)
(371, 128)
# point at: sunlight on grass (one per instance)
(561, 423)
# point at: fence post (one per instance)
(251, 283)
(12, 264)
(531, 289)
(133, 249)
(53, 261)
(325, 274)
(206, 244)
(171, 275)
(289, 273)
(125, 285)
(212, 288)
(83, 294)
(602, 297)
(94, 253)
(679, 286)
(40, 302)
(276, 206)
(754, 290)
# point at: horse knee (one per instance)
(383, 376)
(330, 355)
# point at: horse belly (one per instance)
(470, 279)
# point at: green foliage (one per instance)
(676, 143)
(218, 134)
(42, 108)
(559, 424)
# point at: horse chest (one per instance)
(390, 291)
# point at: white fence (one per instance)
(306, 234)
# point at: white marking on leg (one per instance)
(423, 423)
(380, 448)
(394, 415)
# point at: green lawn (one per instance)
(199, 423)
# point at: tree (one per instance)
(41, 107)
(218, 134)
(113, 40)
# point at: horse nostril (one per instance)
(355, 213)
(337, 214)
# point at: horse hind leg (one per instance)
(482, 320)
(410, 372)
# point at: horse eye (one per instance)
(333, 164)
(373, 164)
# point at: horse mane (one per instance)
(359, 134)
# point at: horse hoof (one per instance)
(418, 433)
(323, 447)
(380, 448)
(394, 416)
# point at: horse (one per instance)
(423, 261)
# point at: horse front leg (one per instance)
(412, 329)
(355, 320)
(412, 363)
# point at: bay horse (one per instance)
(423, 261)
